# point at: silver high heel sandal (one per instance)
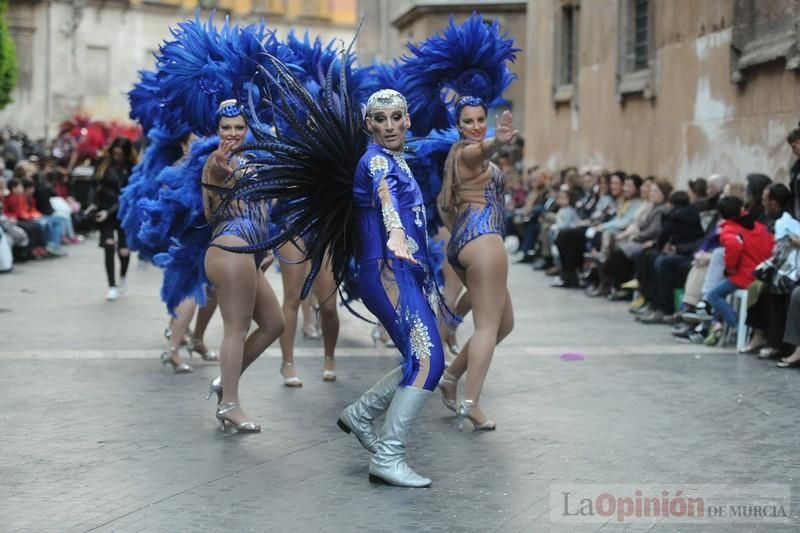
(292, 382)
(244, 427)
(215, 387)
(329, 375)
(448, 378)
(208, 355)
(182, 368)
(463, 412)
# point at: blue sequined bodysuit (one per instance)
(474, 220)
(395, 291)
(247, 220)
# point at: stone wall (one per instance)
(694, 121)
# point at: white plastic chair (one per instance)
(741, 331)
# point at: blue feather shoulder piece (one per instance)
(466, 60)
(143, 186)
(176, 222)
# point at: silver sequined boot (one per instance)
(389, 465)
(359, 416)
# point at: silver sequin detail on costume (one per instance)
(412, 245)
(400, 159)
(378, 165)
(420, 339)
(385, 99)
(417, 211)
(391, 218)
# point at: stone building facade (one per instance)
(674, 88)
(85, 54)
(390, 24)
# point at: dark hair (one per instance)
(664, 185)
(127, 148)
(699, 187)
(621, 174)
(468, 101)
(679, 199)
(778, 192)
(730, 208)
(13, 182)
(756, 183)
(28, 183)
(636, 179)
(793, 136)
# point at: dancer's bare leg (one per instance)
(293, 273)
(309, 318)
(269, 318)
(485, 278)
(235, 278)
(325, 290)
(204, 314)
(180, 324)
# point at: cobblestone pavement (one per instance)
(97, 436)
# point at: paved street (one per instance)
(97, 436)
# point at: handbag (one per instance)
(782, 270)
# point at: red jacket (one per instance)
(744, 250)
(18, 207)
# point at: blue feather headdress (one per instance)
(203, 66)
(466, 60)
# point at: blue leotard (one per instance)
(472, 221)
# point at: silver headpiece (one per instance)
(385, 99)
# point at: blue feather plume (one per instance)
(202, 66)
(466, 60)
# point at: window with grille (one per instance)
(640, 34)
(565, 60)
(635, 44)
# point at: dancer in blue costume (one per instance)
(472, 203)
(243, 293)
(347, 200)
(390, 220)
(471, 58)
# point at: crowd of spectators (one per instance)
(675, 255)
(46, 197)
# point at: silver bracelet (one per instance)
(391, 219)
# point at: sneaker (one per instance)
(697, 316)
(714, 337)
(696, 338)
(632, 285)
(122, 285)
(638, 303)
(113, 294)
(641, 310)
(54, 252)
(681, 331)
(654, 317)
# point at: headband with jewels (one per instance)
(468, 101)
(228, 108)
(385, 99)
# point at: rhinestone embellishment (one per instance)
(413, 247)
(378, 165)
(400, 160)
(420, 339)
(417, 211)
